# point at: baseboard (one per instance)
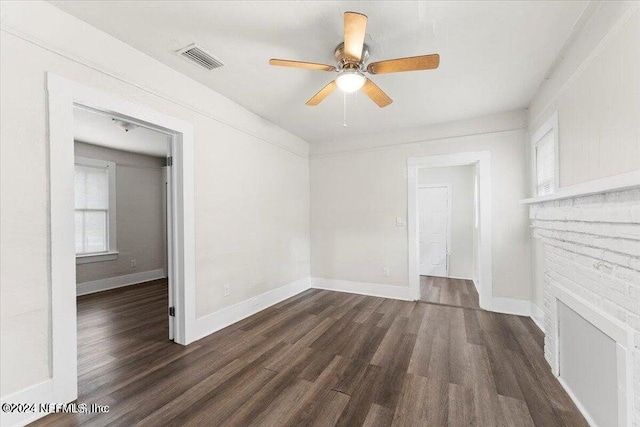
(537, 315)
(36, 394)
(579, 405)
(118, 282)
(227, 316)
(520, 307)
(372, 289)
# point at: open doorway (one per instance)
(64, 96)
(447, 229)
(122, 220)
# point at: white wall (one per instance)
(139, 214)
(357, 193)
(252, 178)
(461, 183)
(596, 90)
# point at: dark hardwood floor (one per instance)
(442, 290)
(320, 358)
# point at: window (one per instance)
(544, 144)
(95, 226)
(545, 173)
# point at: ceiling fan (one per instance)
(351, 56)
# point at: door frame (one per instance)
(482, 162)
(63, 96)
(448, 187)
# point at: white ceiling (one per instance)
(494, 55)
(100, 129)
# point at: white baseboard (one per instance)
(537, 315)
(372, 289)
(37, 393)
(118, 282)
(227, 316)
(520, 307)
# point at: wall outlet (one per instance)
(133, 263)
(226, 290)
(385, 271)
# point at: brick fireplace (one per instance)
(592, 266)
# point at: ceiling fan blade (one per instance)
(376, 94)
(412, 63)
(355, 25)
(322, 94)
(301, 64)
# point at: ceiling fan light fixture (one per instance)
(350, 80)
(351, 56)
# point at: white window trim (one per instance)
(112, 252)
(550, 125)
(97, 257)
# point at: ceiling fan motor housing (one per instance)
(346, 62)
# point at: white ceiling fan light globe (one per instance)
(350, 80)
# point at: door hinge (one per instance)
(172, 311)
(170, 161)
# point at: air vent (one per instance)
(199, 56)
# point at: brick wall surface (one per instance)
(592, 248)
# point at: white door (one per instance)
(433, 206)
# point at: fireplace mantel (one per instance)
(626, 181)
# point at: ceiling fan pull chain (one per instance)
(344, 111)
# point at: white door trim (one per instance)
(63, 96)
(448, 187)
(482, 160)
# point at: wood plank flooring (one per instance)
(443, 290)
(320, 358)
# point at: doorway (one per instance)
(448, 235)
(63, 96)
(122, 210)
(433, 274)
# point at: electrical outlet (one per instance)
(226, 290)
(385, 271)
(133, 263)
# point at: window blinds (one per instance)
(545, 165)
(91, 209)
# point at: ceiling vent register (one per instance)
(200, 57)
